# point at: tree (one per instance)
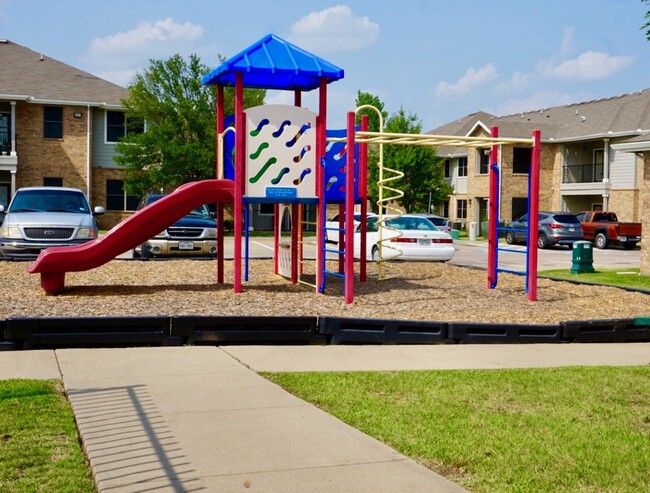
(178, 145)
(423, 180)
(646, 26)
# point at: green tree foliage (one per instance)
(423, 173)
(179, 143)
(646, 26)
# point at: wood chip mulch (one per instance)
(424, 291)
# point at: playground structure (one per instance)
(284, 155)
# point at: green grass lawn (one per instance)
(622, 277)
(543, 430)
(39, 444)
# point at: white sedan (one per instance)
(406, 237)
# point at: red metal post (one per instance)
(349, 210)
(240, 151)
(295, 224)
(363, 196)
(321, 128)
(277, 221)
(533, 224)
(492, 213)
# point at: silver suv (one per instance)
(42, 217)
(555, 228)
(192, 235)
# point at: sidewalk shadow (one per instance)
(127, 442)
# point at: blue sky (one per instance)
(438, 59)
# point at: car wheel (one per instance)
(601, 241)
(136, 254)
(510, 238)
(629, 246)
(375, 253)
(542, 241)
(144, 253)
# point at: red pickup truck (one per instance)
(604, 228)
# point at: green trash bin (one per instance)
(583, 257)
(455, 234)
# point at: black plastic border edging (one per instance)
(89, 331)
(380, 331)
(143, 331)
(615, 330)
(496, 333)
(235, 329)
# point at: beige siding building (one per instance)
(58, 126)
(587, 160)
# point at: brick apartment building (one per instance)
(58, 126)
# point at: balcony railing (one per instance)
(583, 173)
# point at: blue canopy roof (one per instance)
(273, 63)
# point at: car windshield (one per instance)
(200, 211)
(50, 201)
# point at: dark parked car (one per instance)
(555, 228)
(193, 235)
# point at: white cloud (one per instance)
(334, 29)
(120, 77)
(568, 42)
(517, 82)
(472, 79)
(146, 40)
(591, 65)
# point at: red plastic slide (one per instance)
(54, 262)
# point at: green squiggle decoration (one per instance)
(277, 179)
(259, 150)
(260, 126)
(266, 166)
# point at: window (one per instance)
(445, 209)
(447, 168)
(483, 161)
(50, 181)
(521, 158)
(117, 199)
(519, 206)
(267, 209)
(52, 122)
(117, 126)
(461, 209)
(462, 166)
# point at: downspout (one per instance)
(606, 174)
(88, 171)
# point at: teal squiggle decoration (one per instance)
(260, 126)
(259, 150)
(266, 166)
(279, 131)
(277, 179)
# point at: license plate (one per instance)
(572, 229)
(423, 242)
(185, 245)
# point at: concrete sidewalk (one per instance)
(199, 418)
